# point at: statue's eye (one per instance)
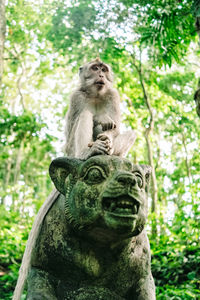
(139, 179)
(95, 175)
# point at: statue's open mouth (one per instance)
(121, 205)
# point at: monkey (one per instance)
(93, 118)
(92, 128)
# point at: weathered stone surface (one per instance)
(92, 244)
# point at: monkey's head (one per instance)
(105, 196)
(95, 77)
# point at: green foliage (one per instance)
(13, 236)
(42, 55)
(20, 127)
(175, 270)
(165, 27)
(79, 18)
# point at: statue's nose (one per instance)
(126, 178)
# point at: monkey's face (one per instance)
(106, 196)
(96, 76)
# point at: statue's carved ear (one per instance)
(59, 169)
(147, 173)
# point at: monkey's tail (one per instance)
(23, 272)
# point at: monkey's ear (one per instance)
(59, 169)
(80, 70)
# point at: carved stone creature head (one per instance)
(95, 76)
(105, 196)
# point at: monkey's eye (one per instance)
(104, 69)
(95, 68)
(139, 179)
(94, 175)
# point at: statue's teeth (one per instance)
(135, 209)
(113, 205)
(124, 203)
(120, 206)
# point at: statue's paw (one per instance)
(93, 293)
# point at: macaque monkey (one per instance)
(93, 118)
(92, 128)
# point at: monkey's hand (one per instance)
(105, 121)
(104, 137)
(99, 147)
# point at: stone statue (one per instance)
(92, 243)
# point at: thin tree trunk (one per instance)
(18, 161)
(19, 87)
(197, 99)
(17, 169)
(196, 8)
(8, 171)
(153, 173)
(197, 25)
(148, 132)
(187, 162)
(2, 35)
(7, 178)
(162, 212)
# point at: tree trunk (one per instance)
(153, 173)
(187, 162)
(197, 99)
(197, 25)
(148, 132)
(2, 35)
(18, 161)
(7, 179)
(196, 14)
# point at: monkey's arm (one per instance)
(83, 138)
(109, 117)
(108, 128)
(79, 129)
(105, 122)
(113, 107)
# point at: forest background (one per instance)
(152, 46)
